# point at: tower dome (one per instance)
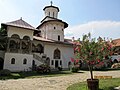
(51, 11)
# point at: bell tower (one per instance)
(51, 27)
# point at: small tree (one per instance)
(92, 51)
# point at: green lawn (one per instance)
(34, 75)
(104, 84)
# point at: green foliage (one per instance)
(92, 50)
(3, 38)
(60, 68)
(43, 68)
(104, 84)
(75, 69)
(5, 72)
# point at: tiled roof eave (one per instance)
(19, 26)
(50, 41)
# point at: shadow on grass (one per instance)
(34, 74)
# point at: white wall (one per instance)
(66, 53)
(18, 66)
(48, 31)
(51, 10)
(20, 31)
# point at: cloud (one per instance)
(108, 29)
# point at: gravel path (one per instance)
(51, 83)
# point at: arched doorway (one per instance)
(1, 63)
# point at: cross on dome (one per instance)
(51, 3)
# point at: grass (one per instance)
(104, 84)
(34, 75)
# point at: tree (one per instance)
(3, 38)
(93, 51)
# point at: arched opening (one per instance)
(33, 65)
(25, 61)
(26, 44)
(33, 47)
(12, 44)
(15, 36)
(26, 38)
(13, 61)
(69, 65)
(57, 54)
(40, 48)
(1, 63)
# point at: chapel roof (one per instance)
(52, 7)
(52, 41)
(19, 23)
(52, 20)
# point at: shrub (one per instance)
(116, 65)
(60, 68)
(43, 68)
(5, 72)
(74, 69)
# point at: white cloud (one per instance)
(108, 29)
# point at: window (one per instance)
(52, 62)
(60, 62)
(62, 29)
(49, 13)
(57, 54)
(25, 61)
(54, 27)
(58, 37)
(13, 61)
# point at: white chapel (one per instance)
(28, 46)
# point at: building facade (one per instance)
(28, 46)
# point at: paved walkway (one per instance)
(51, 83)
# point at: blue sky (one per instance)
(100, 17)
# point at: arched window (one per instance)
(57, 54)
(25, 61)
(15, 36)
(13, 61)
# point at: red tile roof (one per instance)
(116, 42)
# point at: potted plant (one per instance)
(92, 51)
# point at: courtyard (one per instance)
(52, 83)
